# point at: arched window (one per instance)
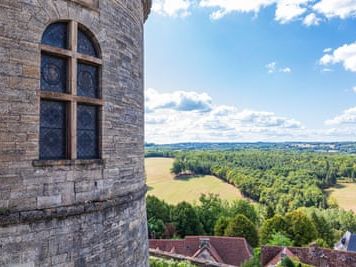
(70, 93)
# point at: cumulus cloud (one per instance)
(167, 122)
(222, 123)
(311, 20)
(178, 100)
(348, 117)
(289, 10)
(310, 12)
(336, 8)
(173, 8)
(224, 7)
(286, 10)
(273, 68)
(345, 55)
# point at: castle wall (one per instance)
(72, 212)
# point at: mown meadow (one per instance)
(163, 184)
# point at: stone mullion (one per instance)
(73, 91)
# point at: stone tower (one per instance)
(72, 132)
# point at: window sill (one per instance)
(65, 162)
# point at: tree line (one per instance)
(213, 216)
(282, 181)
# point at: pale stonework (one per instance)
(73, 212)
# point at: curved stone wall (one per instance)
(73, 212)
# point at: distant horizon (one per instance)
(250, 71)
(256, 142)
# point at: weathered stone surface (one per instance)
(72, 212)
(313, 255)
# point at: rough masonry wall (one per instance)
(313, 255)
(59, 192)
(105, 238)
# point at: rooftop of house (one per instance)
(227, 250)
(313, 255)
(285, 252)
(347, 242)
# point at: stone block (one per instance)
(48, 202)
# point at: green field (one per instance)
(163, 184)
(345, 195)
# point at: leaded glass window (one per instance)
(56, 35)
(52, 130)
(86, 45)
(70, 93)
(53, 73)
(87, 80)
(87, 132)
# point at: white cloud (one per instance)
(354, 89)
(336, 8)
(273, 68)
(289, 10)
(348, 117)
(178, 100)
(221, 123)
(225, 7)
(345, 55)
(167, 123)
(173, 8)
(286, 10)
(311, 20)
(286, 70)
(311, 12)
(327, 70)
(327, 50)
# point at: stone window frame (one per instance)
(71, 98)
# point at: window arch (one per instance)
(71, 100)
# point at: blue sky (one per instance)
(245, 70)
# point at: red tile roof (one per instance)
(211, 252)
(277, 259)
(231, 250)
(312, 255)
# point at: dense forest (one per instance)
(282, 181)
(213, 216)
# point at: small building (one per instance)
(347, 242)
(226, 250)
(285, 252)
(310, 256)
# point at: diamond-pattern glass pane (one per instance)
(87, 80)
(53, 130)
(56, 35)
(86, 45)
(53, 74)
(87, 132)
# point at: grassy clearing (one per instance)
(163, 184)
(345, 195)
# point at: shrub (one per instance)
(240, 226)
(186, 220)
(300, 228)
(279, 239)
(156, 262)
